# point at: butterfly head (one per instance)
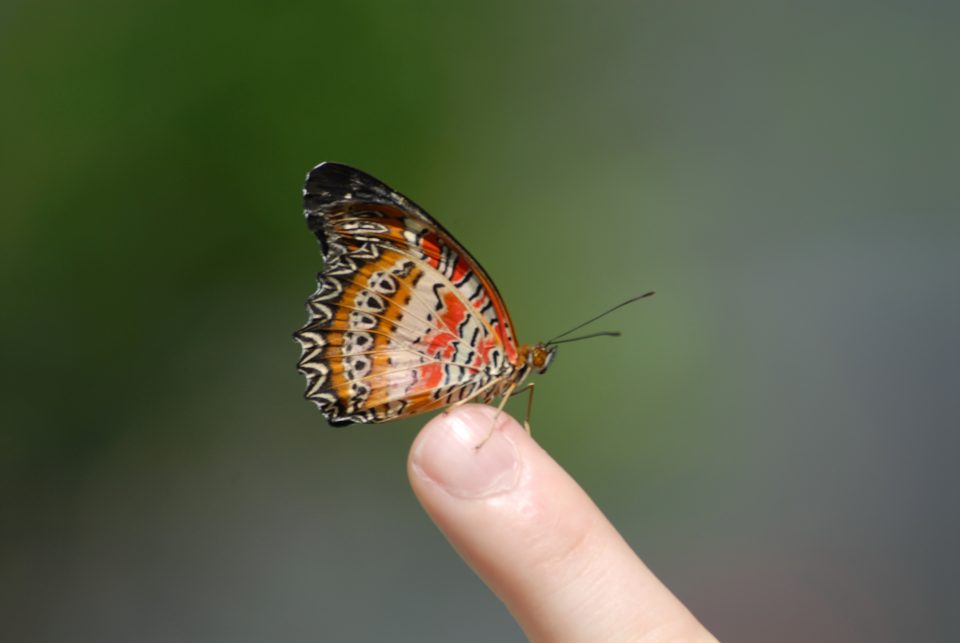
(540, 356)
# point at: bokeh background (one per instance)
(776, 433)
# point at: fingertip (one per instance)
(467, 452)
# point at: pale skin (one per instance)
(535, 537)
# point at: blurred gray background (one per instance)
(775, 433)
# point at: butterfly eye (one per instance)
(540, 357)
(549, 354)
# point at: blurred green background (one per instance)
(775, 433)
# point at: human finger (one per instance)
(535, 537)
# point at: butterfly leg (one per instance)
(493, 425)
(527, 389)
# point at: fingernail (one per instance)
(447, 453)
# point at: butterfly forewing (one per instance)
(403, 320)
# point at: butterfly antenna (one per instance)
(606, 333)
(603, 314)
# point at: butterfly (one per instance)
(404, 320)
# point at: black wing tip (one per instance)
(331, 178)
(329, 168)
(329, 185)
